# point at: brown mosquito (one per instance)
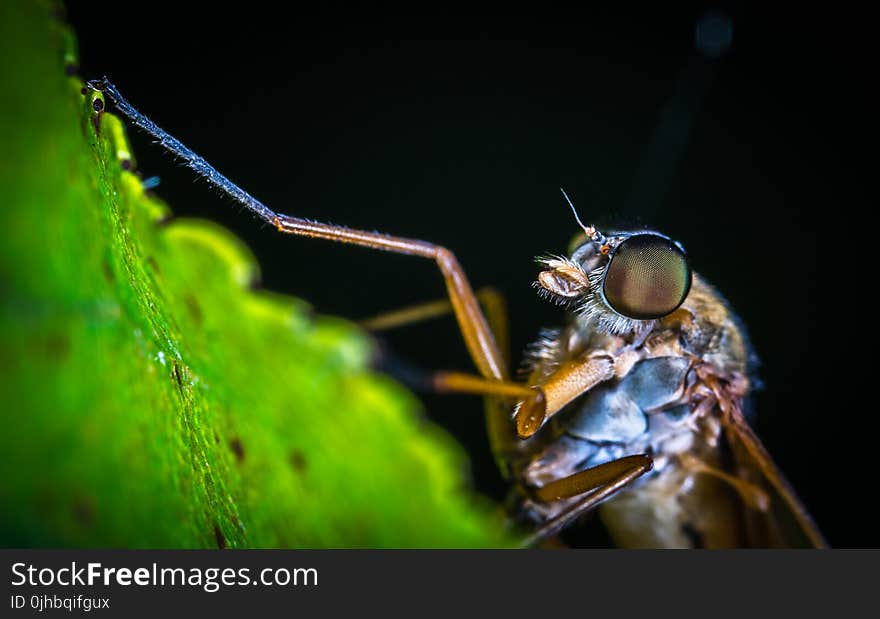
(635, 406)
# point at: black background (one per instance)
(459, 129)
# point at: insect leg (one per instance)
(408, 315)
(751, 494)
(565, 384)
(498, 393)
(491, 300)
(458, 382)
(478, 338)
(539, 402)
(472, 323)
(598, 482)
(502, 436)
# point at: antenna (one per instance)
(590, 231)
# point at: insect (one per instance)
(636, 406)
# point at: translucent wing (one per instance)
(786, 523)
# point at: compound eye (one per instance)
(648, 277)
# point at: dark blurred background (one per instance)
(731, 129)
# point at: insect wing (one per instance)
(786, 523)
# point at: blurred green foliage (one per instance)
(150, 397)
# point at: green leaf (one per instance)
(153, 399)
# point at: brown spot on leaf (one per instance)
(154, 265)
(237, 448)
(218, 536)
(107, 271)
(182, 377)
(195, 310)
(298, 461)
(83, 513)
(177, 374)
(57, 346)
